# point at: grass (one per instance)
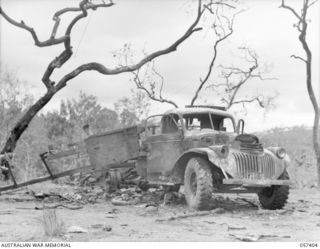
(52, 224)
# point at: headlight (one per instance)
(281, 153)
(221, 150)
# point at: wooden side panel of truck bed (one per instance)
(116, 146)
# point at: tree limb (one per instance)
(221, 38)
(52, 40)
(312, 3)
(22, 25)
(65, 55)
(260, 102)
(236, 77)
(299, 58)
(283, 5)
(151, 93)
(94, 66)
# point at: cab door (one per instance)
(164, 146)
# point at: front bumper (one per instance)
(256, 183)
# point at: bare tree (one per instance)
(302, 27)
(234, 78)
(53, 86)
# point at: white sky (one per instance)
(155, 24)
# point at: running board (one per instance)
(256, 183)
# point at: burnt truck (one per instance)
(201, 148)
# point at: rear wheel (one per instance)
(276, 196)
(198, 184)
(143, 185)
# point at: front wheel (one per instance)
(198, 184)
(276, 196)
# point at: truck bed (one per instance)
(116, 146)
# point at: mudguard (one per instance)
(213, 154)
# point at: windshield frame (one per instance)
(210, 114)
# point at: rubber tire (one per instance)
(199, 199)
(144, 186)
(278, 197)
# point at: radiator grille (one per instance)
(254, 166)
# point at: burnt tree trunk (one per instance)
(24, 122)
(315, 130)
(302, 26)
(308, 61)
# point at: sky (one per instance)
(149, 25)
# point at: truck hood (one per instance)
(208, 137)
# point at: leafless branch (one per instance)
(216, 85)
(260, 77)
(299, 58)
(94, 66)
(283, 5)
(22, 25)
(162, 81)
(84, 5)
(220, 3)
(265, 102)
(148, 85)
(235, 78)
(257, 99)
(65, 55)
(312, 3)
(218, 24)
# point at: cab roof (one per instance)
(190, 110)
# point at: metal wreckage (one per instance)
(199, 147)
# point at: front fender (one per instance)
(181, 163)
(280, 164)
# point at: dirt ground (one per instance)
(234, 220)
